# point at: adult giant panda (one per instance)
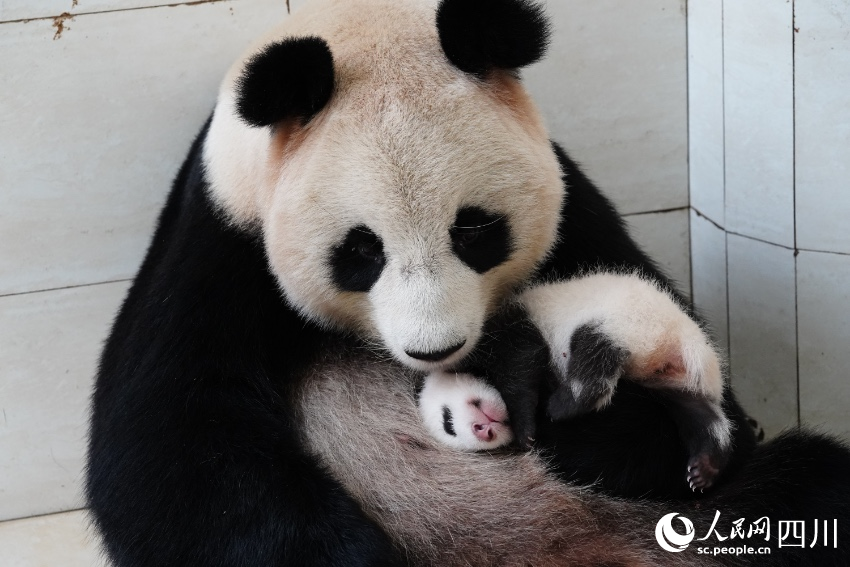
(373, 187)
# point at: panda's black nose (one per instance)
(435, 355)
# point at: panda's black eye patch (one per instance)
(481, 239)
(448, 422)
(357, 262)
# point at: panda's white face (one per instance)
(408, 208)
(411, 226)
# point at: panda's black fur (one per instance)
(306, 62)
(478, 36)
(195, 456)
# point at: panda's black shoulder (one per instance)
(197, 256)
(193, 409)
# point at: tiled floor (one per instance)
(49, 541)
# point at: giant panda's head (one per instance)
(401, 177)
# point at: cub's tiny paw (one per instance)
(464, 412)
(702, 472)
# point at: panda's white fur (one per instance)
(406, 140)
(666, 348)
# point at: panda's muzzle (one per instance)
(435, 356)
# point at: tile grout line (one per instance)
(45, 515)
(688, 148)
(76, 286)
(669, 210)
(757, 239)
(794, 200)
(74, 15)
(723, 166)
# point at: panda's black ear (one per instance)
(293, 78)
(481, 35)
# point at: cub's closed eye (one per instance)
(480, 239)
(357, 262)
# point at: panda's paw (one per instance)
(701, 472)
(706, 431)
(464, 412)
(595, 365)
(705, 466)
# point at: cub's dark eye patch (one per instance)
(357, 262)
(448, 423)
(481, 239)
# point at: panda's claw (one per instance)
(702, 472)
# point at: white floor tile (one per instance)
(822, 106)
(613, 91)
(57, 540)
(94, 127)
(49, 346)
(708, 264)
(762, 331)
(664, 236)
(823, 304)
(759, 119)
(705, 107)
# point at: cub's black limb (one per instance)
(595, 365)
(705, 431)
(634, 448)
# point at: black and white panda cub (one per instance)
(599, 328)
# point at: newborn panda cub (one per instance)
(464, 412)
(592, 332)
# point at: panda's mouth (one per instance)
(430, 361)
(436, 355)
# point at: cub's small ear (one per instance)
(481, 35)
(292, 78)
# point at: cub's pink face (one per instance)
(464, 412)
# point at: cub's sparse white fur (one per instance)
(475, 412)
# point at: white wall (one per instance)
(94, 123)
(769, 104)
(613, 90)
